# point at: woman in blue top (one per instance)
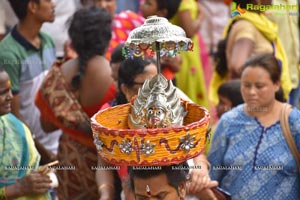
(249, 155)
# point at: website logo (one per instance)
(236, 10)
(268, 10)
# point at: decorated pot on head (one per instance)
(157, 128)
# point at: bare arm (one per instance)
(200, 179)
(105, 181)
(190, 26)
(241, 51)
(202, 161)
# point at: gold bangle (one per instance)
(104, 185)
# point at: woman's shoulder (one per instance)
(98, 65)
(14, 123)
(11, 118)
(243, 28)
(294, 114)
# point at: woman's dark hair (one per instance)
(271, 65)
(90, 32)
(20, 7)
(170, 5)
(267, 62)
(128, 71)
(176, 174)
(232, 91)
(117, 54)
(219, 56)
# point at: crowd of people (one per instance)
(62, 61)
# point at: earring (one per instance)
(148, 190)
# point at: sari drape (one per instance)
(76, 151)
(18, 155)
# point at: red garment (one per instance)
(168, 73)
(122, 25)
(110, 94)
(49, 104)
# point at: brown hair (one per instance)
(267, 62)
(272, 66)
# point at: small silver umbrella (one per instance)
(157, 35)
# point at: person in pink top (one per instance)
(122, 24)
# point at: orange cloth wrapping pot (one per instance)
(119, 145)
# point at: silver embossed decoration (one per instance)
(156, 106)
(186, 142)
(159, 36)
(126, 147)
(147, 148)
(98, 143)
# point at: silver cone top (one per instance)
(156, 106)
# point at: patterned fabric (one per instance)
(122, 24)
(61, 99)
(68, 117)
(18, 155)
(254, 162)
(78, 182)
(190, 78)
(77, 152)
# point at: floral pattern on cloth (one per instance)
(62, 100)
(122, 25)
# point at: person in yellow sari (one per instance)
(19, 159)
(250, 33)
(190, 78)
